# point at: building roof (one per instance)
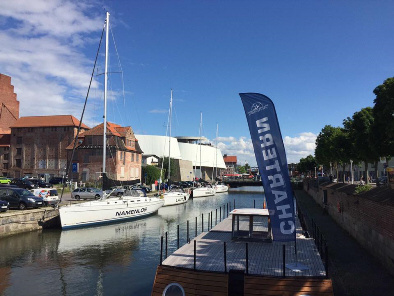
(48, 121)
(5, 140)
(232, 159)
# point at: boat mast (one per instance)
(216, 151)
(105, 93)
(200, 143)
(169, 141)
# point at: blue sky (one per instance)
(319, 62)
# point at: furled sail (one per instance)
(271, 160)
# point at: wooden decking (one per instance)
(264, 258)
(261, 275)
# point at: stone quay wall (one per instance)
(368, 217)
(15, 221)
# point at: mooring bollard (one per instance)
(202, 222)
(196, 227)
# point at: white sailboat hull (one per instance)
(175, 198)
(221, 188)
(203, 191)
(107, 211)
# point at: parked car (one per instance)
(116, 191)
(382, 180)
(5, 180)
(86, 193)
(57, 180)
(147, 189)
(40, 183)
(20, 198)
(4, 205)
(23, 183)
(49, 195)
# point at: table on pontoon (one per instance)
(251, 213)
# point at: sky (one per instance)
(318, 61)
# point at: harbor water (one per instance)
(115, 259)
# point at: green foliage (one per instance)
(362, 188)
(165, 168)
(152, 174)
(383, 112)
(241, 170)
(307, 164)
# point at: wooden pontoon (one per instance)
(236, 258)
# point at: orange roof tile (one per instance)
(48, 121)
(230, 159)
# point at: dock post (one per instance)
(254, 203)
(247, 258)
(211, 220)
(234, 204)
(227, 210)
(161, 250)
(326, 259)
(166, 244)
(224, 212)
(177, 236)
(195, 253)
(225, 257)
(202, 222)
(284, 261)
(220, 214)
(187, 234)
(196, 227)
(216, 217)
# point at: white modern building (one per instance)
(195, 159)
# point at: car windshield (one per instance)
(24, 192)
(53, 192)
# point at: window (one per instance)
(5, 166)
(30, 129)
(19, 140)
(6, 156)
(174, 289)
(132, 156)
(18, 151)
(18, 163)
(53, 129)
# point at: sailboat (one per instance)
(206, 190)
(219, 187)
(108, 209)
(175, 195)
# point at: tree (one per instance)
(383, 113)
(360, 131)
(152, 174)
(307, 164)
(241, 169)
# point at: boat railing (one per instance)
(185, 234)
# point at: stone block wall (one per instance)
(368, 217)
(13, 222)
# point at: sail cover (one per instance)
(271, 160)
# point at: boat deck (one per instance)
(265, 258)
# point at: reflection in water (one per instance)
(116, 259)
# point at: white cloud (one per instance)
(42, 51)
(296, 148)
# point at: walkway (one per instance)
(352, 269)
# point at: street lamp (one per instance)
(315, 173)
(351, 170)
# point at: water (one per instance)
(117, 259)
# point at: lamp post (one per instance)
(315, 173)
(330, 168)
(351, 170)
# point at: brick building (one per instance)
(9, 110)
(231, 164)
(123, 157)
(9, 114)
(38, 145)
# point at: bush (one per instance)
(362, 188)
